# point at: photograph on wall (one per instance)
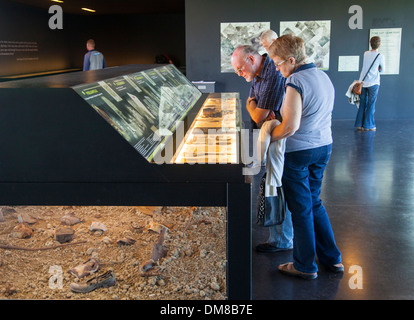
(143, 107)
(234, 34)
(348, 63)
(317, 37)
(390, 48)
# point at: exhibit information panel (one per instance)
(144, 107)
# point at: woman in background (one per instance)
(371, 67)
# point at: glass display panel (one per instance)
(144, 107)
(213, 136)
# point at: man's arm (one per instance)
(257, 114)
(291, 114)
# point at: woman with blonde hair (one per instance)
(306, 125)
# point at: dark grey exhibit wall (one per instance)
(133, 38)
(27, 44)
(203, 20)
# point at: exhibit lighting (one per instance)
(59, 1)
(89, 10)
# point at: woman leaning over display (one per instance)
(307, 114)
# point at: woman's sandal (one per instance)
(290, 270)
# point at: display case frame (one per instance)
(56, 150)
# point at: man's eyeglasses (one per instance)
(240, 70)
(280, 63)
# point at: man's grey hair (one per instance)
(246, 50)
(268, 35)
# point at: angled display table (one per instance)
(135, 135)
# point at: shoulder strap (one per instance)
(371, 66)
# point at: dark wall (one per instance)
(203, 20)
(123, 39)
(22, 24)
(129, 39)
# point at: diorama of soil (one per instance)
(150, 253)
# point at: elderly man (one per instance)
(264, 102)
(268, 85)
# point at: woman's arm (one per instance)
(291, 114)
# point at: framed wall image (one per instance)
(348, 63)
(317, 37)
(234, 34)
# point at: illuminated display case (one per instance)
(213, 136)
(74, 139)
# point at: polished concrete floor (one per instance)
(369, 195)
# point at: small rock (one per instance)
(26, 218)
(97, 226)
(150, 211)
(125, 241)
(215, 286)
(155, 227)
(70, 219)
(106, 240)
(90, 251)
(21, 231)
(64, 234)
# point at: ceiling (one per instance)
(112, 6)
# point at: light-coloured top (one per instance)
(373, 76)
(318, 95)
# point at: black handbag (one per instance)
(271, 211)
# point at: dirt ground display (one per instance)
(171, 253)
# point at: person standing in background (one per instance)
(372, 66)
(93, 59)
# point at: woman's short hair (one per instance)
(288, 46)
(375, 42)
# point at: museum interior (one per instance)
(133, 180)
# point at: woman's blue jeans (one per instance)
(366, 110)
(313, 235)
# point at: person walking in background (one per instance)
(93, 59)
(372, 66)
(306, 125)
